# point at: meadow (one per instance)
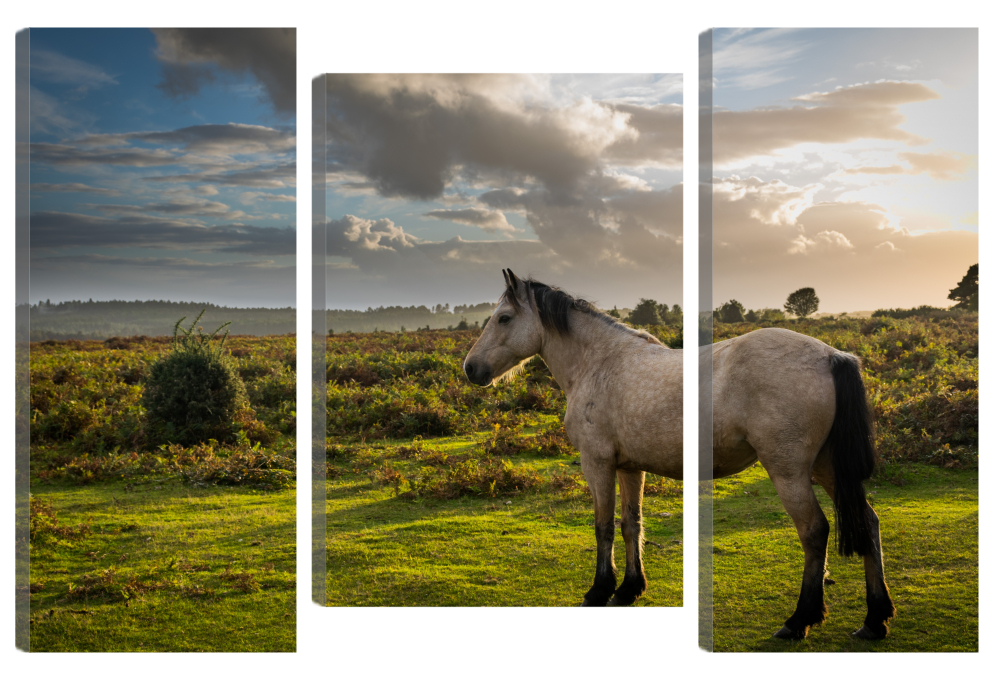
(440, 492)
(140, 544)
(922, 378)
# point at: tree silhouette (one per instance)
(731, 312)
(802, 302)
(966, 293)
(646, 313)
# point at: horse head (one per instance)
(510, 338)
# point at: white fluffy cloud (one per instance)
(490, 221)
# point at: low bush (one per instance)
(193, 393)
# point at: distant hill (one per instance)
(101, 320)
(411, 318)
(89, 320)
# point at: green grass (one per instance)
(163, 567)
(531, 547)
(141, 544)
(930, 522)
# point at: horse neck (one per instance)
(571, 356)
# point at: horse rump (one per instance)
(852, 443)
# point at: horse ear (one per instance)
(506, 279)
(513, 281)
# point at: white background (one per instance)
(511, 36)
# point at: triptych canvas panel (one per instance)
(497, 343)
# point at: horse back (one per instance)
(772, 393)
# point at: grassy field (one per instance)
(922, 376)
(162, 568)
(138, 544)
(930, 524)
(443, 493)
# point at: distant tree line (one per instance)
(90, 320)
(466, 317)
(651, 313)
(804, 302)
(414, 317)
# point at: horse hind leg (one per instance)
(630, 484)
(880, 606)
(601, 480)
(811, 524)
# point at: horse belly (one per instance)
(660, 456)
(733, 458)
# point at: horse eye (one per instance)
(504, 319)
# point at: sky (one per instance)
(436, 183)
(845, 160)
(163, 165)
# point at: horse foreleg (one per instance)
(630, 485)
(800, 502)
(601, 480)
(880, 606)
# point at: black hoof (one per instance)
(787, 633)
(619, 602)
(866, 633)
(593, 603)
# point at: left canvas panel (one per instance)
(161, 303)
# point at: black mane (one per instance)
(554, 304)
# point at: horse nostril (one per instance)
(470, 369)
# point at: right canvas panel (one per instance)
(843, 493)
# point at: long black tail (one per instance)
(852, 441)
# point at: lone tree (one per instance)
(646, 313)
(802, 302)
(732, 312)
(966, 293)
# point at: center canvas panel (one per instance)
(503, 274)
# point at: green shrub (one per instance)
(193, 393)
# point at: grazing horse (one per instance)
(799, 407)
(623, 407)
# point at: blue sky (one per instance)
(845, 160)
(163, 165)
(437, 182)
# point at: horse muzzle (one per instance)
(478, 373)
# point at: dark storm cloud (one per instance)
(483, 146)
(54, 230)
(267, 53)
(411, 137)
